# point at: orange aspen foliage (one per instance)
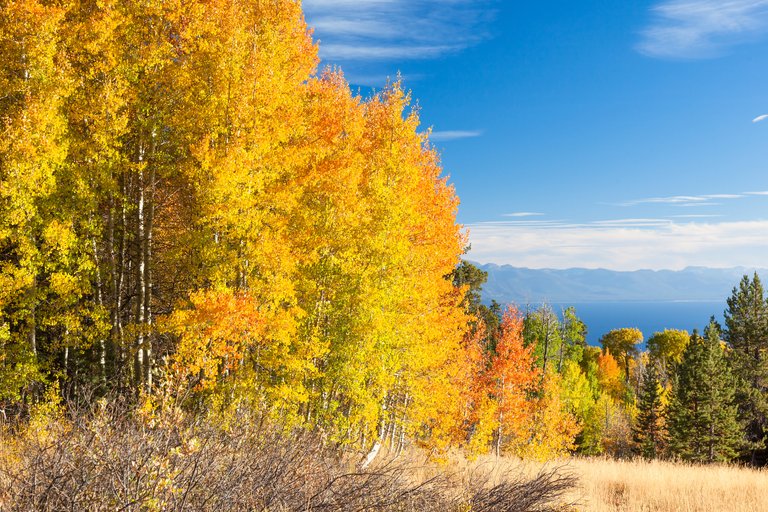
(609, 375)
(225, 332)
(477, 418)
(214, 335)
(514, 377)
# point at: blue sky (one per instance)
(591, 134)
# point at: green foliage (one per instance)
(746, 334)
(543, 332)
(702, 413)
(649, 431)
(467, 274)
(574, 336)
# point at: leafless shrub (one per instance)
(109, 458)
(517, 493)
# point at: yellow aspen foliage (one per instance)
(552, 431)
(33, 150)
(183, 161)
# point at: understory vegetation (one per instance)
(115, 457)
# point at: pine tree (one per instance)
(650, 433)
(746, 320)
(702, 414)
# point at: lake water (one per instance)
(649, 317)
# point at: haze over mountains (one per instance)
(508, 284)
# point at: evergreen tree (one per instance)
(468, 275)
(746, 320)
(702, 414)
(650, 433)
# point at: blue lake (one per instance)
(649, 317)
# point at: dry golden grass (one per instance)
(607, 485)
(655, 486)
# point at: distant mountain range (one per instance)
(507, 284)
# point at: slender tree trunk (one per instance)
(501, 419)
(401, 441)
(100, 301)
(120, 285)
(66, 362)
(562, 348)
(32, 335)
(148, 355)
(546, 342)
(371, 456)
(140, 278)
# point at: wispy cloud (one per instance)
(634, 223)
(622, 244)
(696, 216)
(693, 29)
(447, 135)
(699, 200)
(760, 118)
(523, 214)
(396, 30)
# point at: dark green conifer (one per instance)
(650, 432)
(702, 414)
(746, 320)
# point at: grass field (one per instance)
(611, 485)
(607, 485)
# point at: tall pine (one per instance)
(746, 321)
(650, 431)
(702, 414)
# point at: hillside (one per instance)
(524, 285)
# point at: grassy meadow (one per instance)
(610, 485)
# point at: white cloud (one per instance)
(623, 244)
(389, 30)
(342, 51)
(700, 200)
(702, 203)
(696, 216)
(523, 214)
(760, 118)
(612, 223)
(447, 135)
(723, 196)
(702, 28)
